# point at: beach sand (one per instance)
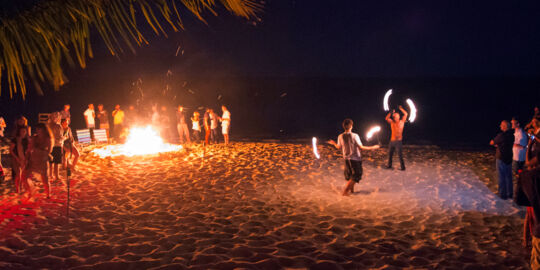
(267, 206)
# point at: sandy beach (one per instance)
(267, 206)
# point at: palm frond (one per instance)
(37, 42)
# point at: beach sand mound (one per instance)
(266, 206)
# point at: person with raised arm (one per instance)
(396, 140)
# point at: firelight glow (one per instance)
(140, 141)
(315, 148)
(385, 102)
(372, 131)
(412, 117)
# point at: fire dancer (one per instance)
(503, 142)
(396, 140)
(181, 125)
(352, 148)
(225, 124)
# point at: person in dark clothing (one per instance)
(504, 142)
(528, 193)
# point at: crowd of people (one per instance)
(518, 163)
(52, 145)
(162, 119)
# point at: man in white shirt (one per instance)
(225, 124)
(352, 148)
(520, 147)
(89, 117)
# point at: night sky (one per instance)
(459, 59)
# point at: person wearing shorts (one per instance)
(225, 124)
(58, 140)
(351, 146)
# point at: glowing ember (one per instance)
(372, 131)
(385, 102)
(315, 148)
(140, 141)
(413, 110)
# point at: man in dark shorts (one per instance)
(352, 148)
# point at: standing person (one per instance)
(206, 123)
(90, 119)
(181, 125)
(57, 150)
(131, 116)
(103, 119)
(21, 121)
(196, 127)
(65, 114)
(225, 124)
(528, 187)
(351, 146)
(39, 150)
(213, 126)
(118, 120)
(520, 147)
(164, 123)
(69, 147)
(396, 140)
(2, 127)
(503, 143)
(18, 150)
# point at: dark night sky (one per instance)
(384, 38)
(364, 39)
(481, 50)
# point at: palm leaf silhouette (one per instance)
(36, 42)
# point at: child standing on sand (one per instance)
(352, 148)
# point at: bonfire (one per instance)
(140, 141)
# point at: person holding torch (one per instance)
(351, 147)
(396, 139)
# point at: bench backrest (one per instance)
(83, 136)
(100, 135)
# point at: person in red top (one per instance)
(396, 140)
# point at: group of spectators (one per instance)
(518, 156)
(161, 119)
(52, 145)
